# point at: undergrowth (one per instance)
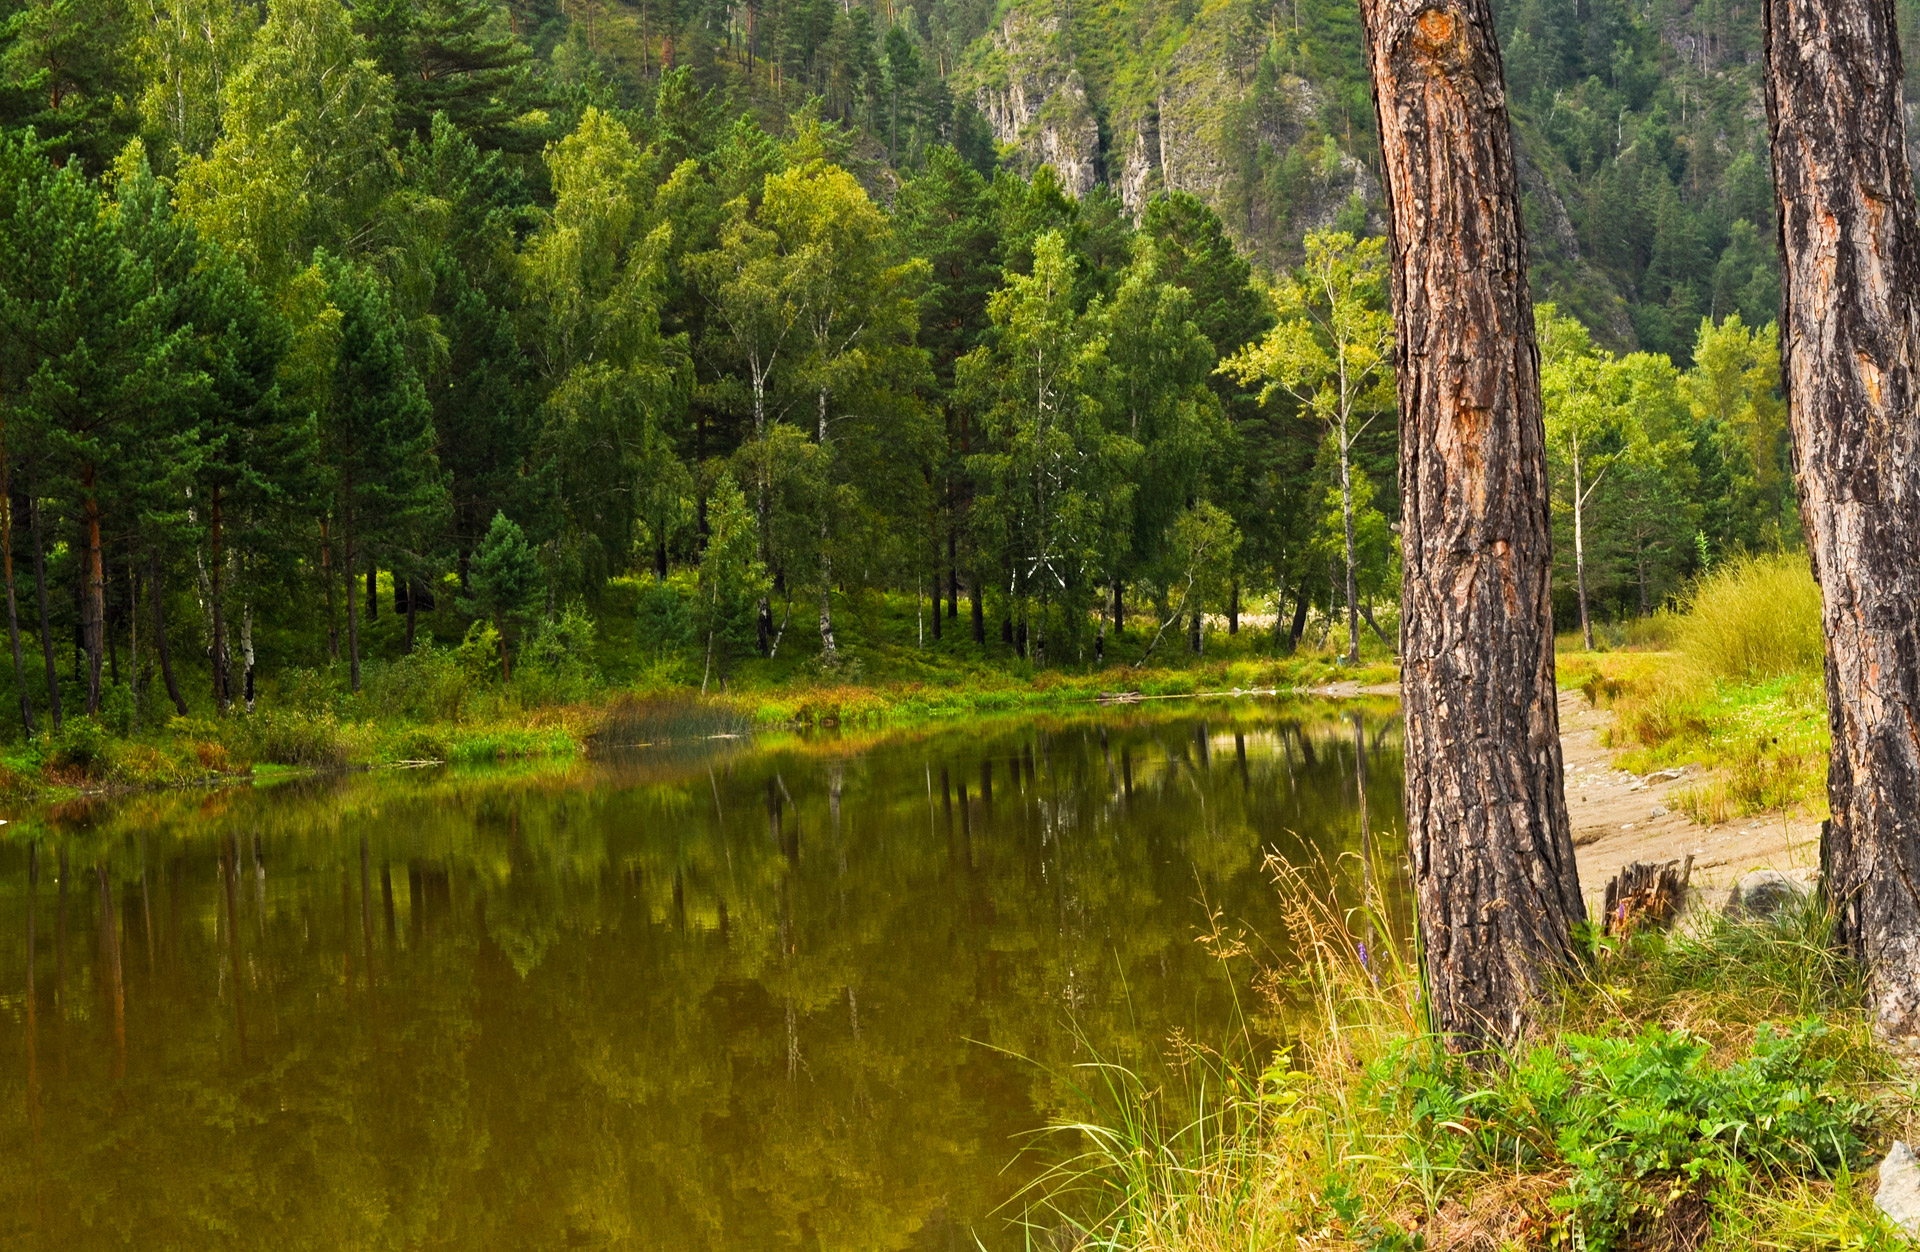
(1713, 1090)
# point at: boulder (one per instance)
(1766, 895)
(1899, 1194)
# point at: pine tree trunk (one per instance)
(160, 633)
(1850, 347)
(1494, 873)
(977, 608)
(327, 580)
(40, 589)
(353, 609)
(93, 625)
(13, 604)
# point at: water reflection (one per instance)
(762, 996)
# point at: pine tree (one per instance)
(506, 582)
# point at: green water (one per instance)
(807, 993)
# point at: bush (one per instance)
(289, 737)
(82, 750)
(556, 663)
(429, 683)
(1751, 619)
(662, 620)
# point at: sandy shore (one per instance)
(1620, 817)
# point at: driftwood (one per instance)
(1645, 891)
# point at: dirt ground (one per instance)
(1620, 817)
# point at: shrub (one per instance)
(1753, 618)
(662, 619)
(81, 751)
(430, 683)
(556, 663)
(289, 737)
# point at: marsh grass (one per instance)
(1716, 1089)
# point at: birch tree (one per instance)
(1331, 353)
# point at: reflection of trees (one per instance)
(766, 1005)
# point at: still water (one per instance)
(806, 992)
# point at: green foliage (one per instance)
(427, 684)
(507, 582)
(556, 662)
(1643, 1121)
(291, 737)
(663, 621)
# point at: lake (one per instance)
(801, 991)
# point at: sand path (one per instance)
(1620, 817)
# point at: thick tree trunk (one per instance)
(40, 590)
(1493, 863)
(976, 608)
(160, 633)
(1302, 603)
(373, 592)
(1850, 231)
(93, 622)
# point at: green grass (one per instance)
(1735, 694)
(1716, 1090)
(628, 671)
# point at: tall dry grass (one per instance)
(1749, 620)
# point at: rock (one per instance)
(1765, 895)
(1899, 1194)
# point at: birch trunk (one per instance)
(1850, 345)
(1580, 548)
(1493, 863)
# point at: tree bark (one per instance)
(13, 606)
(93, 624)
(976, 607)
(222, 667)
(326, 580)
(1580, 548)
(40, 589)
(160, 633)
(353, 611)
(1494, 873)
(1850, 348)
(1346, 522)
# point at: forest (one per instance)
(313, 313)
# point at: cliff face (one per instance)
(1034, 97)
(1181, 110)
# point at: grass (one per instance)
(1731, 1097)
(619, 676)
(1729, 684)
